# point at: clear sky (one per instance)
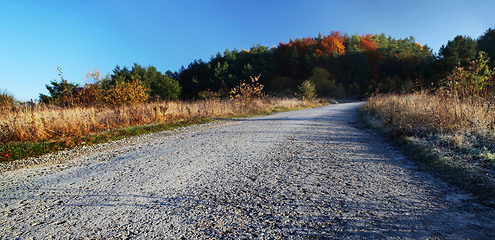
(81, 35)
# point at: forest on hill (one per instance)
(237, 82)
(337, 65)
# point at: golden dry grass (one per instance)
(42, 123)
(420, 112)
(453, 138)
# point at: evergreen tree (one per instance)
(61, 93)
(158, 85)
(458, 51)
(486, 43)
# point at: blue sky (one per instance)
(81, 35)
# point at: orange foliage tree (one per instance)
(302, 45)
(332, 44)
(367, 46)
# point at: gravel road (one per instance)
(313, 173)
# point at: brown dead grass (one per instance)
(425, 113)
(453, 138)
(42, 122)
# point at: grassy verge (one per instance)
(450, 138)
(13, 150)
(19, 150)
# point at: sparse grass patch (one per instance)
(451, 137)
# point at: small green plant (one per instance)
(307, 90)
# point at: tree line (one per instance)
(124, 86)
(336, 65)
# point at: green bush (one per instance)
(307, 90)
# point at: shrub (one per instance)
(92, 94)
(322, 81)
(307, 90)
(247, 93)
(126, 93)
(477, 80)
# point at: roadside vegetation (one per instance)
(449, 130)
(32, 130)
(441, 106)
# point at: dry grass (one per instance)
(453, 137)
(430, 113)
(42, 123)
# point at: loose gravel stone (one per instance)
(313, 173)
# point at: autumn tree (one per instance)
(368, 46)
(92, 93)
(351, 61)
(331, 45)
(475, 80)
(294, 59)
(302, 46)
(126, 92)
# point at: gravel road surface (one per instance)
(313, 173)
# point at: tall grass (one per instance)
(47, 122)
(453, 137)
(425, 113)
(7, 101)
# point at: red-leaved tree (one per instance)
(374, 57)
(331, 45)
